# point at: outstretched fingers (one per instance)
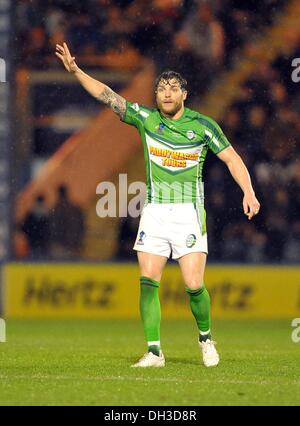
(67, 50)
(60, 49)
(59, 56)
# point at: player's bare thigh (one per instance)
(151, 265)
(192, 267)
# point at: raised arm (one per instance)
(241, 175)
(97, 89)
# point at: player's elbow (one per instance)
(234, 160)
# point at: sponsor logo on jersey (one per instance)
(142, 236)
(190, 134)
(190, 240)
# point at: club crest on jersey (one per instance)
(190, 240)
(142, 236)
(190, 134)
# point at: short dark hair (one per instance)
(169, 75)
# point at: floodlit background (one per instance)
(59, 260)
(241, 60)
(237, 57)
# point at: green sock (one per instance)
(200, 306)
(150, 313)
(155, 349)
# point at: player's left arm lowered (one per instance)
(241, 175)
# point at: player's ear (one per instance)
(184, 95)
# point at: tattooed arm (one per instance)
(97, 89)
(113, 100)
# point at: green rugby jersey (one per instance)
(175, 152)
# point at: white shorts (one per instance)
(176, 228)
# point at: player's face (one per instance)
(170, 97)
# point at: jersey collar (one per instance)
(170, 120)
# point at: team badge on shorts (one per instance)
(190, 240)
(141, 238)
(190, 134)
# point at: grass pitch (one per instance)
(88, 363)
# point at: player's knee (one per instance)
(149, 281)
(194, 284)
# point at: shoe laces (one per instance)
(209, 345)
(146, 356)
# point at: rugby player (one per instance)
(173, 220)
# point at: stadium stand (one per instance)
(250, 92)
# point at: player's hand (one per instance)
(63, 53)
(251, 205)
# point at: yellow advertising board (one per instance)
(112, 291)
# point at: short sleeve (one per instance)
(215, 138)
(135, 114)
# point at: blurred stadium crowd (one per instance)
(186, 35)
(53, 233)
(200, 39)
(263, 124)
